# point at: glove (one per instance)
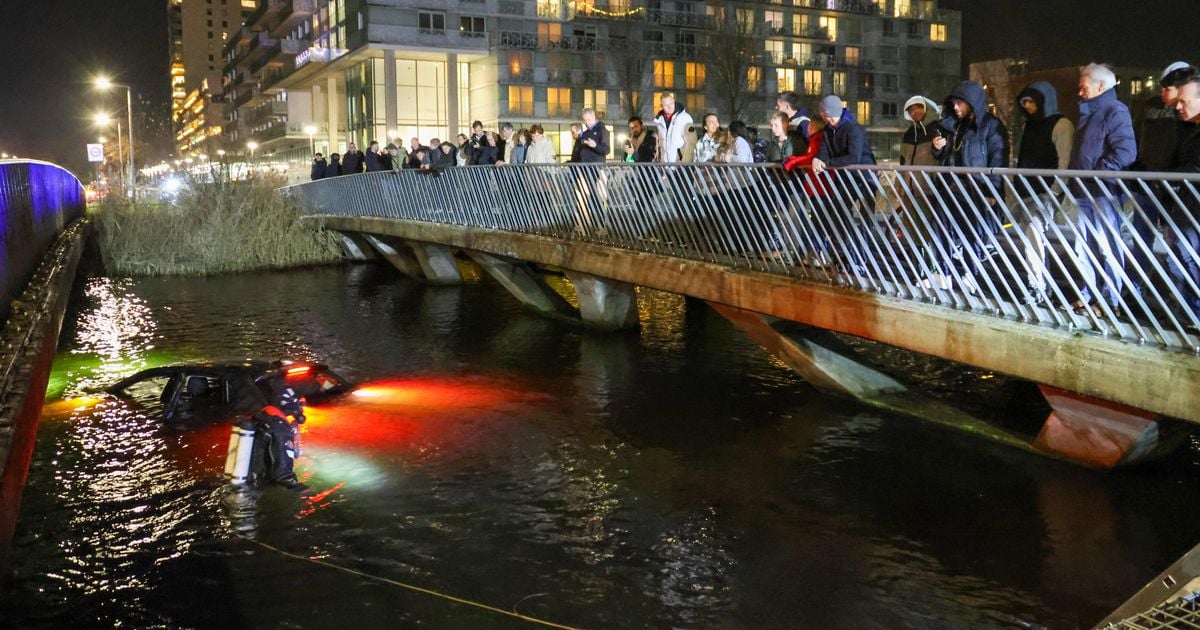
(793, 163)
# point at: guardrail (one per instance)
(1109, 253)
(37, 200)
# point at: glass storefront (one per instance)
(422, 101)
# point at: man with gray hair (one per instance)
(1104, 141)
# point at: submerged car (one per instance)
(200, 391)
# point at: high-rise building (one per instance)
(198, 30)
(322, 73)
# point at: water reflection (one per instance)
(673, 477)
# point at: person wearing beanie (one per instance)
(845, 141)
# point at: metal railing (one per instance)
(1109, 253)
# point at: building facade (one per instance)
(197, 32)
(317, 74)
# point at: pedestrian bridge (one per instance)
(939, 261)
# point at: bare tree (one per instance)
(630, 57)
(731, 51)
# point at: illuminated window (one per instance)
(774, 49)
(664, 73)
(830, 24)
(549, 33)
(864, 112)
(695, 102)
(812, 82)
(597, 100)
(902, 8)
(839, 82)
(852, 55)
(753, 78)
(785, 79)
(520, 100)
(520, 62)
(558, 101)
(549, 8)
(937, 32)
(774, 21)
(695, 75)
(799, 24)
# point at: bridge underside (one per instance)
(1106, 394)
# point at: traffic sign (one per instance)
(95, 152)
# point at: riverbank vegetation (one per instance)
(210, 228)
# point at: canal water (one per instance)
(673, 477)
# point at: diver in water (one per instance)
(274, 412)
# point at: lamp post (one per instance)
(311, 130)
(104, 83)
(253, 146)
(103, 121)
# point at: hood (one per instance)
(1044, 95)
(972, 93)
(932, 111)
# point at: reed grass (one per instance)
(211, 227)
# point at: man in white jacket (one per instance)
(672, 123)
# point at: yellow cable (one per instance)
(418, 589)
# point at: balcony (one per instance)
(528, 41)
(675, 51)
(296, 12)
(607, 12)
(680, 19)
(421, 38)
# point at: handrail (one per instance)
(1092, 252)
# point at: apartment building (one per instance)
(197, 31)
(317, 74)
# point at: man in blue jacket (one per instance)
(1104, 141)
(970, 136)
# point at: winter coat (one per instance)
(1104, 140)
(1159, 133)
(318, 169)
(385, 161)
(1187, 160)
(706, 149)
(780, 150)
(979, 140)
(518, 153)
(442, 159)
(845, 144)
(541, 152)
(916, 147)
(1046, 140)
(813, 185)
(333, 169)
(415, 162)
(372, 161)
(476, 144)
(487, 154)
(672, 132)
(647, 150)
(597, 154)
(352, 163)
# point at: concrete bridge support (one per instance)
(357, 247)
(604, 303)
(525, 284)
(1099, 433)
(434, 264)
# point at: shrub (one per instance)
(211, 227)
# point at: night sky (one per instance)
(49, 48)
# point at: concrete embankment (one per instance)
(40, 257)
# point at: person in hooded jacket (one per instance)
(916, 147)
(1046, 142)
(1185, 238)
(334, 168)
(318, 167)
(1104, 141)
(353, 162)
(970, 136)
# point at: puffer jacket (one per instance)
(1104, 140)
(979, 140)
(916, 148)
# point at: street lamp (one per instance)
(311, 130)
(253, 146)
(104, 84)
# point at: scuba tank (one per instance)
(241, 451)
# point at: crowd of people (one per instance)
(960, 131)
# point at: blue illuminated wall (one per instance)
(37, 200)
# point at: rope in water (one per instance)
(412, 587)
